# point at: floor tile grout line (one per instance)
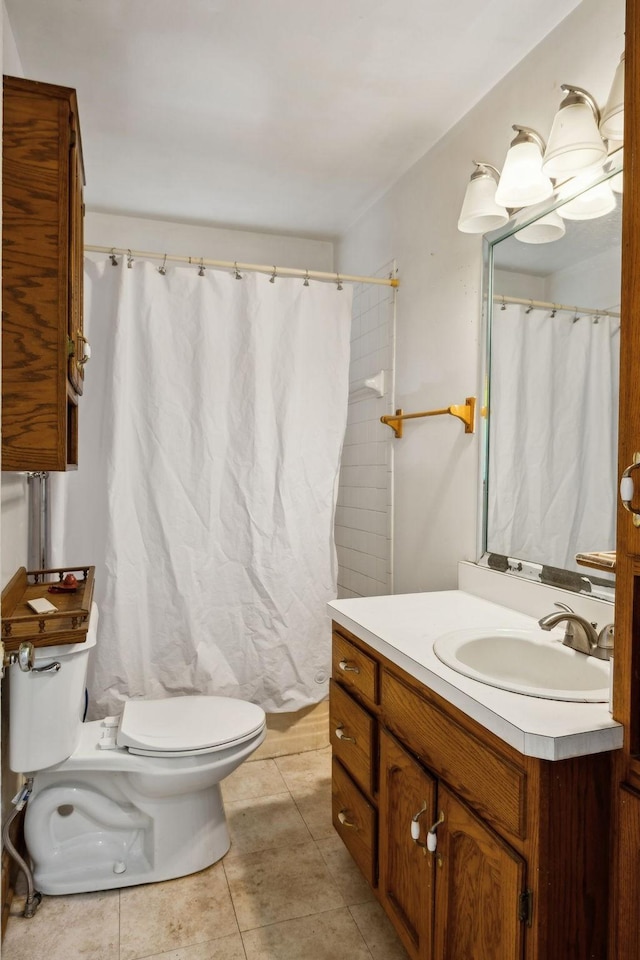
(233, 906)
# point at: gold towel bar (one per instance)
(463, 411)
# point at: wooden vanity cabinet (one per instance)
(520, 869)
(43, 345)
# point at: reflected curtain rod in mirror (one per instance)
(547, 305)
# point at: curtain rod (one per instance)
(501, 298)
(253, 267)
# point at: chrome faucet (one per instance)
(579, 634)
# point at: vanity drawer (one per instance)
(352, 732)
(354, 669)
(492, 784)
(355, 819)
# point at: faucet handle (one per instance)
(605, 637)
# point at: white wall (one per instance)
(438, 307)
(592, 283)
(182, 239)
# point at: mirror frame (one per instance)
(611, 167)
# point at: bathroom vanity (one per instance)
(480, 817)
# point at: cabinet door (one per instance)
(76, 260)
(479, 883)
(406, 868)
(626, 913)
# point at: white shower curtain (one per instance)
(210, 437)
(553, 423)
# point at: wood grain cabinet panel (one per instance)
(352, 737)
(42, 251)
(479, 885)
(355, 819)
(356, 670)
(495, 786)
(406, 867)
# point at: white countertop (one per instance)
(404, 627)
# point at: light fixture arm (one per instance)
(482, 170)
(527, 135)
(579, 95)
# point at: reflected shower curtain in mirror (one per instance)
(210, 437)
(552, 379)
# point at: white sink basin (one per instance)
(525, 661)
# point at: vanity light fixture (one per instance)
(590, 204)
(480, 213)
(545, 230)
(575, 142)
(522, 182)
(612, 122)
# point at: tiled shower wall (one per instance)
(364, 516)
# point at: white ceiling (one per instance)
(291, 116)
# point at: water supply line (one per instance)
(19, 802)
(39, 520)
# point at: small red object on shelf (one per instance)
(68, 585)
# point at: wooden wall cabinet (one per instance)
(43, 346)
(625, 910)
(520, 869)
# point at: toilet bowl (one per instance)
(124, 800)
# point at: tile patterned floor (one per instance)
(287, 890)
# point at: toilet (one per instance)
(123, 800)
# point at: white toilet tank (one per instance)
(46, 709)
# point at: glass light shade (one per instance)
(612, 122)
(480, 212)
(616, 182)
(545, 230)
(574, 142)
(596, 202)
(522, 182)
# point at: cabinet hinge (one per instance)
(72, 137)
(525, 907)
(71, 347)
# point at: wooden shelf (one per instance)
(69, 624)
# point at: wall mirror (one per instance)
(552, 320)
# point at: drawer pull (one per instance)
(342, 736)
(347, 668)
(342, 817)
(432, 840)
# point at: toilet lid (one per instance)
(187, 724)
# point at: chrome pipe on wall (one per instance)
(39, 556)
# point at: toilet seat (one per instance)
(187, 726)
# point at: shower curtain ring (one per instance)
(201, 270)
(236, 273)
(504, 305)
(272, 278)
(113, 258)
(529, 308)
(306, 279)
(162, 269)
(339, 286)
(129, 259)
